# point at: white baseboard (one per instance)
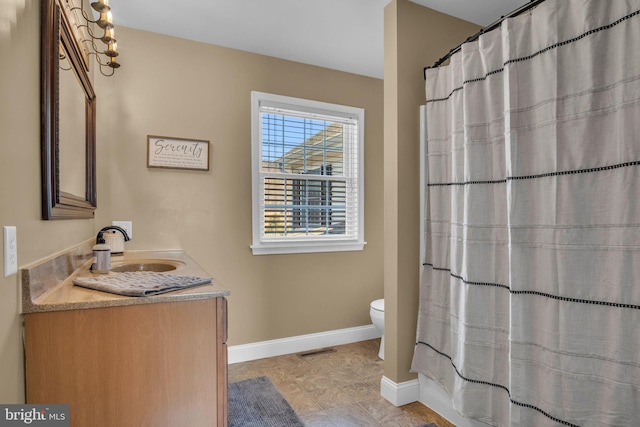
(436, 398)
(400, 393)
(262, 349)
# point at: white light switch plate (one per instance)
(126, 226)
(10, 251)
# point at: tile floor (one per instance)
(340, 388)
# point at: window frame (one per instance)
(302, 244)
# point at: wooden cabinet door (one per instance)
(158, 364)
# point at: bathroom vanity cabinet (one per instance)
(121, 361)
(161, 364)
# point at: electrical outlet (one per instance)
(10, 251)
(126, 226)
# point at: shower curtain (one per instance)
(530, 289)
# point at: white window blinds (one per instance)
(308, 176)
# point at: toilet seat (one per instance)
(376, 312)
(378, 305)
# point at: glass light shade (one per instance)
(105, 21)
(112, 50)
(109, 36)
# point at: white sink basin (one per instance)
(158, 265)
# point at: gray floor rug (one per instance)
(256, 402)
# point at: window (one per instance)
(307, 160)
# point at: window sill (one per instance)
(305, 247)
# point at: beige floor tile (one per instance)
(381, 409)
(332, 397)
(337, 389)
(345, 416)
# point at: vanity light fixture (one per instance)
(104, 58)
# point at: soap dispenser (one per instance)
(101, 256)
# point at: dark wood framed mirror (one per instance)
(68, 120)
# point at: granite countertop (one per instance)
(40, 291)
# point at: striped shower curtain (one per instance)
(530, 289)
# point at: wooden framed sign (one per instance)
(177, 153)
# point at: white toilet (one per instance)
(377, 317)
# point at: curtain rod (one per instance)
(493, 26)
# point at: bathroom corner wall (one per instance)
(415, 37)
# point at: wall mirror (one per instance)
(68, 120)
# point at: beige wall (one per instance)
(415, 37)
(20, 179)
(173, 87)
